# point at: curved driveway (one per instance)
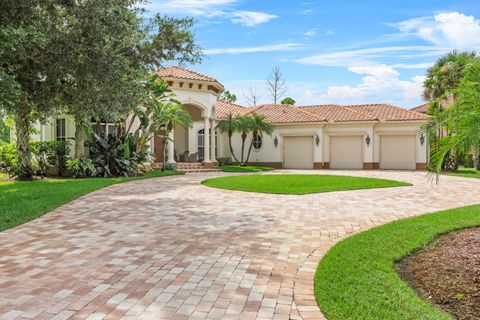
(170, 248)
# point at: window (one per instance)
(257, 142)
(200, 144)
(103, 127)
(60, 130)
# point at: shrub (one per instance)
(117, 155)
(8, 158)
(82, 168)
(61, 150)
(224, 161)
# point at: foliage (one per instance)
(228, 96)
(229, 125)
(466, 172)
(297, 183)
(8, 158)
(230, 168)
(117, 155)
(258, 126)
(84, 57)
(224, 161)
(24, 201)
(288, 100)
(461, 120)
(4, 130)
(357, 279)
(82, 167)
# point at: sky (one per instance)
(339, 52)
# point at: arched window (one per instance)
(257, 142)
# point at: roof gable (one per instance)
(182, 73)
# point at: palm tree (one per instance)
(258, 126)
(462, 119)
(445, 75)
(244, 126)
(229, 125)
(442, 80)
(165, 116)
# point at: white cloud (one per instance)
(265, 48)
(310, 33)
(306, 11)
(380, 84)
(451, 29)
(251, 18)
(210, 8)
(365, 57)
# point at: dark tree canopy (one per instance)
(228, 96)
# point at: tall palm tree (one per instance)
(462, 119)
(443, 78)
(229, 125)
(244, 126)
(258, 126)
(445, 75)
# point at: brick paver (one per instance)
(170, 248)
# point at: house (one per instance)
(370, 136)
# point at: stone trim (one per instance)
(368, 165)
(421, 166)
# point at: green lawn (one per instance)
(466, 172)
(297, 183)
(22, 201)
(357, 279)
(245, 169)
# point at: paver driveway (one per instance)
(172, 248)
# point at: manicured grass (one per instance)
(245, 169)
(357, 278)
(466, 172)
(298, 183)
(22, 201)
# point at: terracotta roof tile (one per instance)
(224, 108)
(422, 109)
(336, 113)
(387, 112)
(284, 113)
(182, 73)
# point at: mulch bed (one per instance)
(448, 273)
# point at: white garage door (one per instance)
(346, 152)
(298, 152)
(397, 152)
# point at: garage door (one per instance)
(346, 152)
(397, 152)
(298, 152)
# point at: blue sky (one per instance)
(344, 52)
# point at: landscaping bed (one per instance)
(298, 183)
(466, 172)
(22, 201)
(448, 273)
(232, 168)
(357, 278)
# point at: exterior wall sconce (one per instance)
(422, 138)
(275, 141)
(317, 140)
(367, 139)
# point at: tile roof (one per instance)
(422, 109)
(321, 113)
(182, 73)
(337, 113)
(224, 108)
(387, 112)
(284, 113)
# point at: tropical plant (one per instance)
(82, 168)
(228, 96)
(229, 125)
(244, 126)
(258, 126)
(462, 119)
(288, 100)
(8, 158)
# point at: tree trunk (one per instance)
(231, 147)
(22, 125)
(254, 134)
(79, 138)
(476, 158)
(244, 137)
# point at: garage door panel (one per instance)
(397, 152)
(346, 152)
(298, 152)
